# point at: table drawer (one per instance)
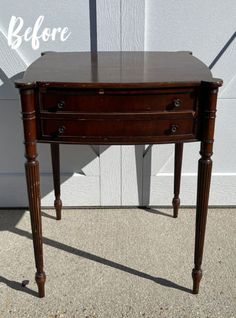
(107, 128)
(107, 100)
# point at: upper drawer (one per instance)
(107, 100)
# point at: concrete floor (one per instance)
(118, 263)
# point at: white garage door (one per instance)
(122, 175)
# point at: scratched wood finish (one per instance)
(118, 129)
(62, 101)
(195, 123)
(116, 70)
(33, 184)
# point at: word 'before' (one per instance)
(16, 35)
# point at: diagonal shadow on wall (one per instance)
(12, 158)
(13, 133)
(12, 130)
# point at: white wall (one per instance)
(203, 27)
(119, 175)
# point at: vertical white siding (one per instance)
(203, 27)
(121, 175)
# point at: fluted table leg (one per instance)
(204, 180)
(177, 177)
(33, 184)
(32, 177)
(55, 154)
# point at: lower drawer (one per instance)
(117, 129)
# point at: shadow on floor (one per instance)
(14, 217)
(18, 286)
(155, 211)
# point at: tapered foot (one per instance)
(197, 276)
(40, 280)
(175, 204)
(58, 206)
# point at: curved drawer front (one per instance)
(68, 100)
(102, 129)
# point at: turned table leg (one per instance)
(55, 154)
(204, 179)
(32, 176)
(177, 177)
(33, 184)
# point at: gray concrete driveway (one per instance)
(118, 263)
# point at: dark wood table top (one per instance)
(118, 98)
(116, 69)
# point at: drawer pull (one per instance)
(173, 129)
(177, 102)
(60, 105)
(61, 130)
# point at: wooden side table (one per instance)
(118, 98)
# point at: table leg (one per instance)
(32, 176)
(204, 178)
(33, 183)
(55, 154)
(177, 177)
